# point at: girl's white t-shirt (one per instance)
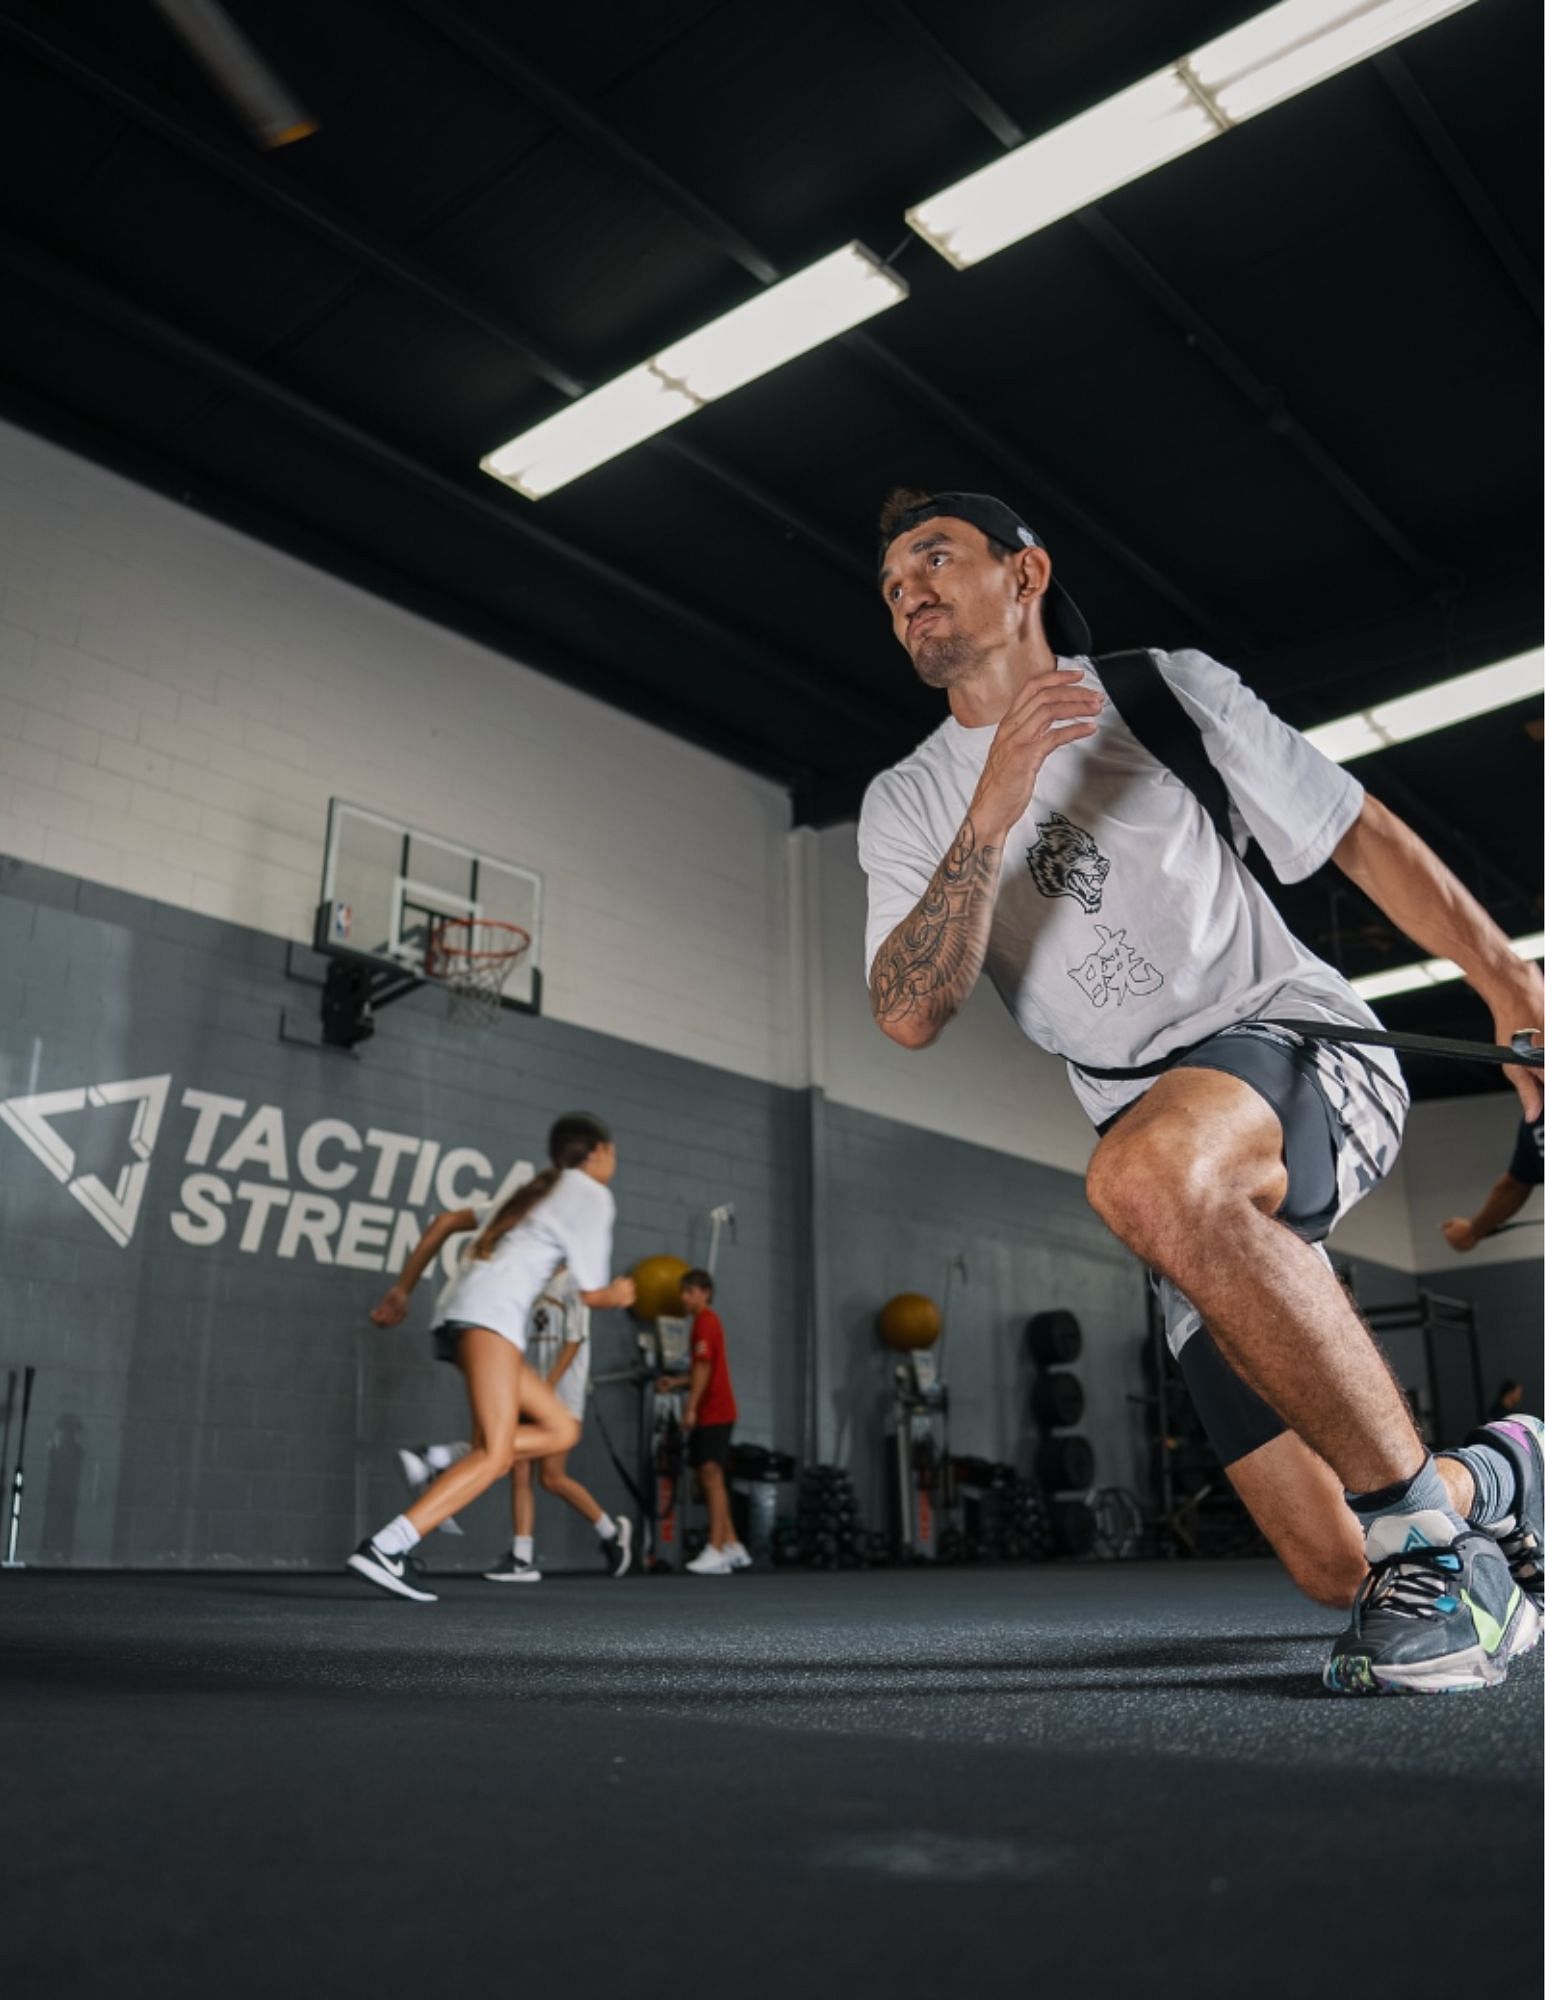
(559, 1317)
(572, 1225)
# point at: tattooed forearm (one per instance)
(928, 965)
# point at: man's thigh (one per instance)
(1194, 1120)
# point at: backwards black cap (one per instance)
(1067, 632)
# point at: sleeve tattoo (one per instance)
(928, 965)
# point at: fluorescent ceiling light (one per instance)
(1433, 971)
(1437, 707)
(785, 321)
(1199, 96)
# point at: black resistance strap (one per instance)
(644, 1505)
(1152, 710)
(1523, 1053)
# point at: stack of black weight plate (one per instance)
(828, 1533)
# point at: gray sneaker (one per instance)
(1437, 1612)
(1521, 1536)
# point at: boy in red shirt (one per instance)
(709, 1421)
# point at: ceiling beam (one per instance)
(1031, 481)
(1268, 401)
(73, 287)
(261, 180)
(1455, 169)
(587, 128)
(1262, 396)
(490, 53)
(903, 26)
(257, 175)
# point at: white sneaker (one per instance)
(419, 1474)
(510, 1569)
(712, 1562)
(737, 1555)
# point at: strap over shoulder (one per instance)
(1154, 713)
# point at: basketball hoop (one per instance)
(474, 957)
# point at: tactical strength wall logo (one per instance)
(245, 1162)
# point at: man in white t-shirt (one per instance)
(1034, 838)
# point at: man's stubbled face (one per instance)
(950, 596)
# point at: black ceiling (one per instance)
(1280, 400)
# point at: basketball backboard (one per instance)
(385, 886)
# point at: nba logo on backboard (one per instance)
(341, 923)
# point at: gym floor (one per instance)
(1100, 1780)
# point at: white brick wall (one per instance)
(178, 702)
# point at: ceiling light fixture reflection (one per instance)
(1196, 98)
(1433, 971)
(1430, 708)
(787, 320)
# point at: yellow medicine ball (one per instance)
(659, 1287)
(910, 1321)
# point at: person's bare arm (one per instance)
(924, 972)
(620, 1292)
(1507, 1197)
(1399, 873)
(701, 1372)
(392, 1309)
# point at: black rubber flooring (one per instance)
(1071, 1782)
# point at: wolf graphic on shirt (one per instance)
(1066, 862)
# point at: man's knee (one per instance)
(568, 1430)
(1329, 1577)
(1155, 1187)
(550, 1476)
(1141, 1184)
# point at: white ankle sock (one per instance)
(525, 1548)
(397, 1537)
(606, 1528)
(441, 1457)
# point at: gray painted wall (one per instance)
(209, 1388)
(902, 1206)
(1509, 1301)
(200, 1403)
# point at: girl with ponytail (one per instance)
(563, 1215)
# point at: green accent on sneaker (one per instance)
(1487, 1630)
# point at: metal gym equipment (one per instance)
(1451, 1351)
(918, 1439)
(662, 1348)
(18, 1476)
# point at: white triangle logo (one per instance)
(117, 1208)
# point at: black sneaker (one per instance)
(512, 1568)
(1438, 1611)
(1521, 1537)
(387, 1572)
(617, 1550)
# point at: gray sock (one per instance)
(1496, 1482)
(1423, 1494)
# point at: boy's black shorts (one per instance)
(709, 1444)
